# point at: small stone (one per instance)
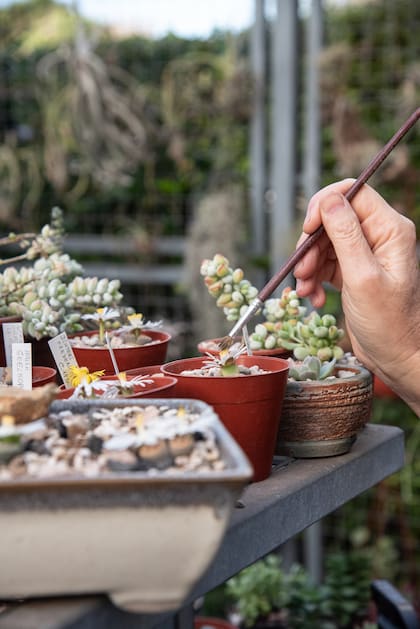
(155, 455)
(36, 445)
(123, 461)
(75, 427)
(26, 406)
(94, 444)
(181, 445)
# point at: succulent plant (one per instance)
(314, 335)
(226, 361)
(311, 368)
(48, 292)
(285, 324)
(233, 293)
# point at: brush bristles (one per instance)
(225, 343)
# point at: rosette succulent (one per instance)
(48, 291)
(311, 368)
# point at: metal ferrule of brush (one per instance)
(248, 314)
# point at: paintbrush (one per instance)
(298, 254)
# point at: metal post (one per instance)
(258, 177)
(283, 133)
(312, 537)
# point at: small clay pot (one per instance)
(323, 417)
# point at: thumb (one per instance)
(346, 235)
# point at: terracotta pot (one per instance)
(96, 358)
(43, 375)
(323, 417)
(249, 406)
(210, 346)
(160, 388)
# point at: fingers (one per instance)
(366, 203)
(343, 227)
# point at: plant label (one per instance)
(63, 355)
(22, 365)
(12, 333)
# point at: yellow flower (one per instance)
(136, 320)
(122, 377)
(8, 420)
(77, 375)
(139, 422)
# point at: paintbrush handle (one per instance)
(371, 168)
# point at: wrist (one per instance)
(404, 379)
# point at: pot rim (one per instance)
(283, 366)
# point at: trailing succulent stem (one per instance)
(285, 324)
(49, 293)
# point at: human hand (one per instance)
(368, 252)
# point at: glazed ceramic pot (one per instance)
(96, 358)
(211, 346)
(323, 417)
(248, 405)
(144, 539)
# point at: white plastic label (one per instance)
(22, 365)
(12, 333)
(63, 355)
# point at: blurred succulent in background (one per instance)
(48, 291)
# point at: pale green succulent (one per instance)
(50, 294)
(311, 368)
(234, 293)
(316, 335)
(285, 322)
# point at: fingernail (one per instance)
(308, 215)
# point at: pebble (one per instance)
(153, 438)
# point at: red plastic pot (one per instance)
(43, 375)
(382, 390)
(96, 358)
(160, 388)
(248, 405)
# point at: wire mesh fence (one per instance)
(128, 136)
